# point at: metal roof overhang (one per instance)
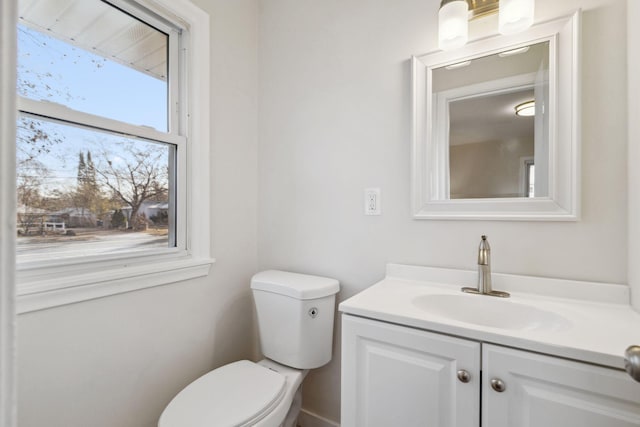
(102, 29)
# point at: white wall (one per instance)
(489, 169)
(117, 361)
(334, 107)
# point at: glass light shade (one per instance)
(526, 109)
(453, 27)
(515, 15)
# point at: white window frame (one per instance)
(8, 18)
(49, 284)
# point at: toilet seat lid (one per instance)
(237, 394)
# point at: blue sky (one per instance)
(52, 70)
(93, 84)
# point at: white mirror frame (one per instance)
(563, 201)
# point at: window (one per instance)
(104, 152)
(531, 179)
(527, 177)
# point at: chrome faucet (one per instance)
(484, 273)
(484, 266)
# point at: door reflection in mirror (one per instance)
(492, 152)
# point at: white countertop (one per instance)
(601, 324)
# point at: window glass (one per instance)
(88, 186)
(85, 192)
(93, 58)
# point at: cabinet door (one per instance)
(544, 391)
(399, 376)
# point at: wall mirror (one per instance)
(496, 127)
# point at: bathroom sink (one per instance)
(489, 311)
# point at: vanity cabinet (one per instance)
(546, 391)
(400, 376)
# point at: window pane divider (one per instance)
(58, 112)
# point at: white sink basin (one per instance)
(490, 311)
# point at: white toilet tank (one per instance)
(295, 317)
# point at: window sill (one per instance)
(47, 292)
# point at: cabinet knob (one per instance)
(464, 376)
(632, 361)
(498, 385)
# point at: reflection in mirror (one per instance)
(493, 150)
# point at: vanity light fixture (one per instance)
(526, 109)
(453, 26)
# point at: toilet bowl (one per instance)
(295, 320)
(242, 393)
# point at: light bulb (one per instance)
(515, 15)
(453, 27)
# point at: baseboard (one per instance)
(309, 419)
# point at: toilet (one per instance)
(295, 320)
